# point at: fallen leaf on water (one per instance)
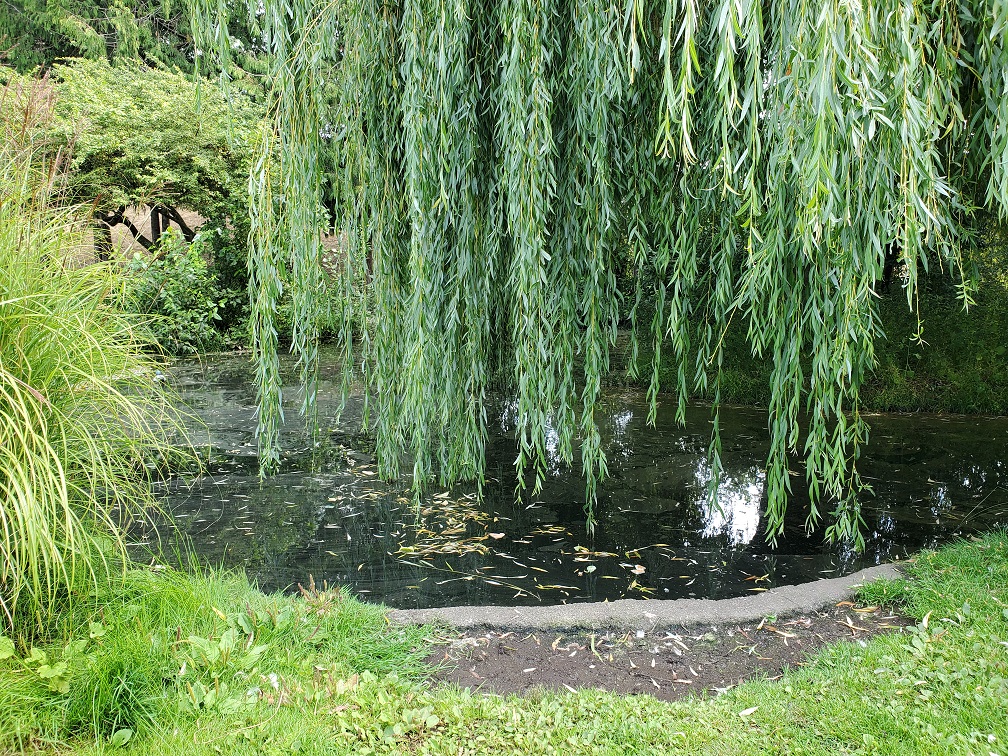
(496, 536)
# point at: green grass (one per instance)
(336, 678)
(160, 650)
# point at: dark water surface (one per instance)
(935, 478)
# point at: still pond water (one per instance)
(935, 478)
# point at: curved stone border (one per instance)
(636, 613)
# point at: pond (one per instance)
(329, 517)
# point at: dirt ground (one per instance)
(667, 663)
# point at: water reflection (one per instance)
(735, 514)
(658, 535)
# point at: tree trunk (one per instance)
(155, 224)
(172, 214)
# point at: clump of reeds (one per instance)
(83, 422)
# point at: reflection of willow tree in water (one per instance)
(501, 161)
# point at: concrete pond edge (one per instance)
(641, 614)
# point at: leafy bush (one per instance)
(142, 136)
(138, 136)
(174, 285)
(229, 267)
(82, 422)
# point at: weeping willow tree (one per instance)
(499, 161)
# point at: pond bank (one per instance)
(166, 661)
(669, 664)
(636, 614)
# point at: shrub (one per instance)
(174, 285)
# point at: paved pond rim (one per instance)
(640, 614)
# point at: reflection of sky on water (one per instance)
(658, 533)
(734, 513)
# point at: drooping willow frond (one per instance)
(500, 162)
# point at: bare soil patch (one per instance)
(667, 663)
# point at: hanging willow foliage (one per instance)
(498, 163)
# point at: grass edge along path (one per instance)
(206, 665)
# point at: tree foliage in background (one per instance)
(36, 33)
(188, 148)
(753, 161)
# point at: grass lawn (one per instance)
(167, 663)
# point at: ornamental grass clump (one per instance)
(83, 423)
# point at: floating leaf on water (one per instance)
(496, 536)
